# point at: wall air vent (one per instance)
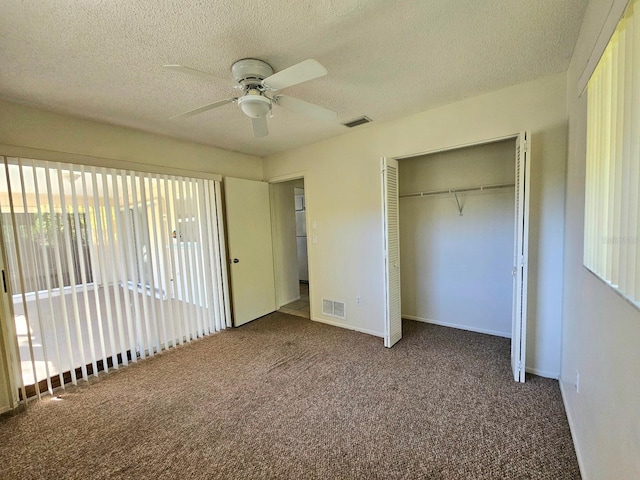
(332, 308)
(358, 121)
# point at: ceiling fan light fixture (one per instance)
(258, 83)
(254, 106)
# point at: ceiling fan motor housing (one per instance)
(250, 72)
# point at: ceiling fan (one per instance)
(260, 87)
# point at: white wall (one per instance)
(457, 270)
(36, 133)
(283, 228)
(601, 331)
(343, 194)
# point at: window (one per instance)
(107, 266)
(36, 232)
(612, 203)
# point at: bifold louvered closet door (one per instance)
(107, 266)
(391, 238)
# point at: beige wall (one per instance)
(283, 227)
(343, 193)
(36, 133)
(601, 331)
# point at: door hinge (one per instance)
(520, 366)
(525, 146)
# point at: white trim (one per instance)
(457, 147)
(572, 428)
(613, 288)
(458, 326)
(55, 292)
(286, 177)
(542, 373)
(348, 327)
(616, 11)
(287, 302)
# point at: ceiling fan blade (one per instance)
(305, 108)
(194, 72)
(260, 127)
(204, 108)
(295, 74)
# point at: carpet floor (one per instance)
(287, 398)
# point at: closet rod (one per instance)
(478, 188)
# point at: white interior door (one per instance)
(391, 234)
(250, 249)
(520, 257)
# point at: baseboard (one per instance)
(287, 302)
(347, 326)
(542, 373)
(455, 325)
(567, 411)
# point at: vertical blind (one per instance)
(108, 266)
(612, 203)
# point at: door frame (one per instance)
(287, 178)
(523, 138)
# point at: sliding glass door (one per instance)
(107, 266)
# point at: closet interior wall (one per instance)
(457, 254)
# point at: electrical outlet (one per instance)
(358, 301)
(577, 382)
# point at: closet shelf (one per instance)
(479, 188)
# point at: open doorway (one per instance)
(457, 268)
(289, 232)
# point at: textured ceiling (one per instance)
(386, 58)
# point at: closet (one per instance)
(456, 217)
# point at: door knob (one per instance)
(235, 260)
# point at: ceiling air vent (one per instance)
(358, 121)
